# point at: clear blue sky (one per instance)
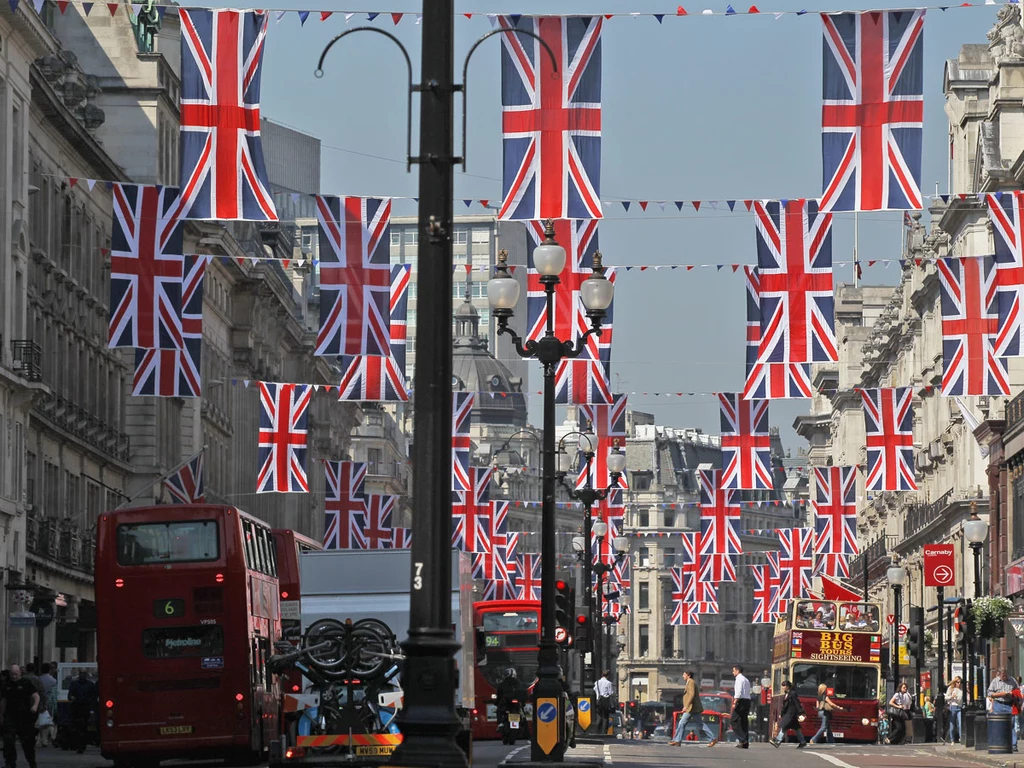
(695, 108)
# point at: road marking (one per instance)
(515, 752)
(834, 760)
(608, 754)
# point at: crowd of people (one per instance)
(28, 711)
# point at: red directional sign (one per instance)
(939, 565)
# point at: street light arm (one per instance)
(571, 350)
(529, 349)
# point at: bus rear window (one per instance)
(510, 621)
(159, 543)
(175, 642)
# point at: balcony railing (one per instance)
(61, 541)
(872, 552)
(76, 420)
(27, 359)
(919, 515)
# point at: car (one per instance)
(661, 733)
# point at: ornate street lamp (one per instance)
(896, 575)
(596, 293)
(976, 532)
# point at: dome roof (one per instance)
(499, 396)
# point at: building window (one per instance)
(643, 518)
(644, 556)
(459, 238)
(670, 557)
(31, 467)
(645, 596)
(308, 241)
(481, 235)
(396, 238)
(374, 459)
(641, 481)
(668, 642)
(670, 519)
(412, 237)
(645, 640)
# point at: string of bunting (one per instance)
(742, 205)
(396, 17)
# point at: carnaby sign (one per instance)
(939, 565)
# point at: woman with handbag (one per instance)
(825, 709)
(899, 712)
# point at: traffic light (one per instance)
(565, 604)
(915, 633)
(582, 631)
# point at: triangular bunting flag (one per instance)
(112, 7)
(62, 5)
(625, 205)
(90, 183)
(303, 15)
(731, 204)
(643, 205)
(397, 17)
(87, 8)
(325, 15)
(696, 205)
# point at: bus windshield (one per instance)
(496, 663)
(510, 621)
(849, 682)
(719, 704)
(188, 541)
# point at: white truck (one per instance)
(348, 596)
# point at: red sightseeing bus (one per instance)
(507, 635)
(187, 614)
(838, 644)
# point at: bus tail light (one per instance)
(118, 583)
(293, 752)
(295, 689)
(284, 594)
(219, 578)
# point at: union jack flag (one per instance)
(498, 589)
(610, 511)
(970, 327)
(889, 425)
(872, 110)
(794, 259)
(399, 313)
(621, 574)
(746, 448)
(796, 562)
(176, 372)
(1004, 211)
(584, 379)
(682, 612)
(186, 485)
(719, 537)
(551, 118)
(766, 594)
(355, 277)
(471, 511)
(372, 378)
(616, 610)
(222, 170)
(769, 380)
(835, 518)
(462, 409)
(493, 563)
(377, 532)
(146, 268)
(283, 435)
(345, 504)
(609, 425)
(401, 538)
(528, 577)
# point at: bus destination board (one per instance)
(835, 646)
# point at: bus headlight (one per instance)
(865, 721)
(802, 718)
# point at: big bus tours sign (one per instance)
(850, 647)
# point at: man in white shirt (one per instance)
(740, 719)
(603, 691)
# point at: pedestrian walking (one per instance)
(955, 700)
(603, 692)
(790, 717)
(45, 723)
(83, 696)
(740, 718)
(20, 708)
(692, 710)
(899, 713)
(825, 709)
(1000, 693)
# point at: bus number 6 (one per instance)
(169, 608)
(417, 581)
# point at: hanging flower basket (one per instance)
(990, 614)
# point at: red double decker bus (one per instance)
(187, 614)
(507, 635)
(837, 644)
(289, 545)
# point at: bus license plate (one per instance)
(839, 734)
(375, 750)
(175, 730)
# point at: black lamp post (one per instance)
(896, 575)
(621, 546)
(976, 532)
(588, 496)
(548, 733)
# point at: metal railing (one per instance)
(919, 515)
(27, 359)
(77, 421)
(873, 551)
